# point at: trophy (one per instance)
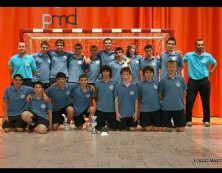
(65, 124)
(104, 131)
(94, 123)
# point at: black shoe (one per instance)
(31, 127)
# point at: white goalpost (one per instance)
(87, 37)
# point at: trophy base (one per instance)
(104, 131)
(67, 127)
(94, 131)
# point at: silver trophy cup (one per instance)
(65, 124)
(94, 123)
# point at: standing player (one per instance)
(151, 61)
(198, 62)
(43, 62)
(76, 66)
(170, 54)
(135, 59)
(118, 64)
(23, 64)
(94, 67)
(58, 60)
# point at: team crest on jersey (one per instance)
(178, 84)
(79, 62)
(153, 63)
(49, 61)
(137, 62)
(27, 64)
(68, 92)
(174, 58)
(113, 57)
(111, 87)
(203, 61)
(22, 96)
(87, 95)
(131, 92)
(43, 106)
(97, 62)
(155, 87)
(65, 57)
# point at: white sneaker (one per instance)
(189, 124)
(206, 124)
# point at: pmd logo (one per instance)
(58, 21)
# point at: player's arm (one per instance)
(127, 60)
(184, 93)
(45, 97)
(212, 69)
(50, 119)
(33, 72)
(118, 116)
(10, 69)
(5, 108)
(135, 116)
(161, 96)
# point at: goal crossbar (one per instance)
(96, 38)
(121, 37)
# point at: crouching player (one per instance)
(38, 113)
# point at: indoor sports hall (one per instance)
(198, 146)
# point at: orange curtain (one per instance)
(189, 24)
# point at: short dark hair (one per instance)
(44, 43)
(22, 42)
(107, 39)
(149, 68)
(171, 39)
(125, 69)
(60, 41)
(148, 46)
(106, 68)
(119, 49)
(18, 75)
(78, 44)
(60, 74)
(38, 83)
(83, 76)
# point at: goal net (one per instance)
(87, 37)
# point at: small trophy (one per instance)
(94, 123)
(104, 131)
(65, 124)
